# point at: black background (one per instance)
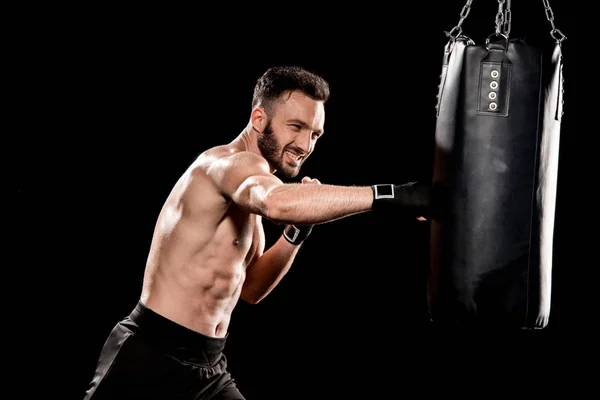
(121, 101)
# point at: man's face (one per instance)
(291, 133)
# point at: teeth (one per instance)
(294, 156)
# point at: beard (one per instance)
(272, 150)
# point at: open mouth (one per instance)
(295, 158)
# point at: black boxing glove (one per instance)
(297, 235)
(412, 199)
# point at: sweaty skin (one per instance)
(208, 247)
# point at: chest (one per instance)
(245, 231)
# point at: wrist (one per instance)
(382, 192)
(412, 198)
(297, 234)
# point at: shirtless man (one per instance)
(208, 249)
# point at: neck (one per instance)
(247, 140)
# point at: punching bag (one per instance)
(498, 123)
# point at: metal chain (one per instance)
(507, 18)
(503, 20)
(500, 17)
(555, 32)
(457, 30)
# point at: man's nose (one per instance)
(304, 141)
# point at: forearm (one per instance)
(314, 204)
(267, 271)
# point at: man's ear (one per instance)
(258, 119)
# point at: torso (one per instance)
(201, 247)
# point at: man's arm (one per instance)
(267, 269)
(247, 181)
(245, 178)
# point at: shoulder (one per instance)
(228, 167)
(228, 157)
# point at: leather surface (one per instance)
(497, 135)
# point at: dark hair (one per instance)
(282, 79)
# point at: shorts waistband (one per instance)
(170, 335)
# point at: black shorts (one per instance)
(147, 356)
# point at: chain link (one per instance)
(457, 30)
(503, 18)
(555, 32)
(507, 18)
(500, 17)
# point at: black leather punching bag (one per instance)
(499, 115)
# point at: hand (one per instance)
(413, 199)
(307, 179)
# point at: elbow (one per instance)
(251, 294)
(249, 298)
(276, 209)
(256, 199)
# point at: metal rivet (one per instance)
(493, 84)
(494, 73)
(493, 106)
(492, 95)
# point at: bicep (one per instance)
(247, 181)
(259, 240)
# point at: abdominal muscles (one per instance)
(194, 277)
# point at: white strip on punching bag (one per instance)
(548, 181)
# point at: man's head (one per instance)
(288, 115)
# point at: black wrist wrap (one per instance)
(297, 235)
(412, 199)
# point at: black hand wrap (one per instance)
(413, 199)
(297, 235)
